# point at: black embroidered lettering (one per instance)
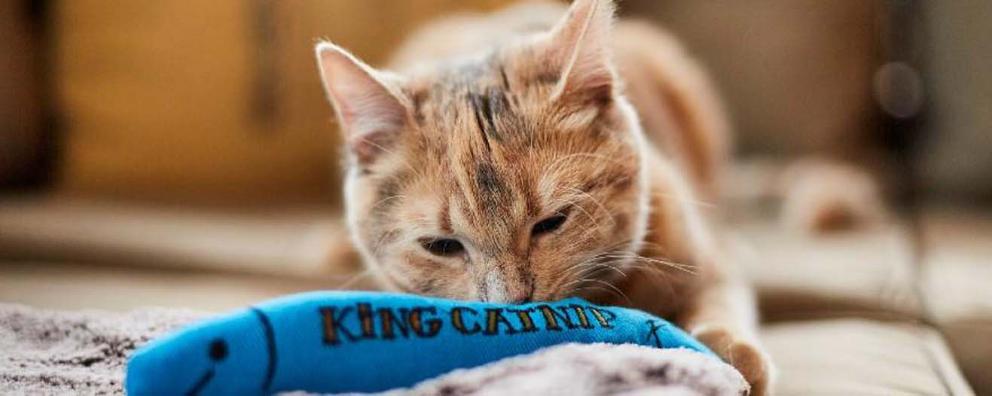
(526, 322)
(551, 318)
(365, 317)
(333, 325)
(458, 321)
(581, 314)
(494, 317)
(603, 316)
(417, 322)
(388, 319)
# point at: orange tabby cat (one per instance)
(518, 159)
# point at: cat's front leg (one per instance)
(722, 317)
(716, 308)
(699, 286)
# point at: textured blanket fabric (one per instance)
(592, 369)
(47, 352)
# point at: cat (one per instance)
(541, 153)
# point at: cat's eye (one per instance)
(442, 246)
(548, 225)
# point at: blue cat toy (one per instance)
(367, 342)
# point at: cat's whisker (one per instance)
(553, 167)
(582, 289)
(650, 269)
(671, 264)
(574, 271)
(353, 279)
(615, 289)
(570, 284)
(392, 154)
(660, 279)
(579, 272)
(383, 201)
(595, 201)
(381, 240)
(585, 272)
(598, 265)
(592, 260)
(687, 268)
(575, 204)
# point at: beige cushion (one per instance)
(861, 357)
(76, 286)
(74, 254)
(860, 274)
(285, 242)
(957, 277)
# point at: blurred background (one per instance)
(182, 153)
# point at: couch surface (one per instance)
(843, 314)
(861, 357)
(956, 280)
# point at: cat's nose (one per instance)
(497, 289)
(520, 298)
(508, 298)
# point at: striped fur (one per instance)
(495, 138)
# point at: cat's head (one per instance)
(512, 176)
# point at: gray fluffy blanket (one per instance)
(50, 352)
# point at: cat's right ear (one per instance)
(370, 107)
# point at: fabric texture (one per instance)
(592, 369)
(956, 274)
(60, 353)
(861, 357)
(867, 273)
(55, 352)
(369, 342)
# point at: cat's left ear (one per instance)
(580, 45)
(371, 109)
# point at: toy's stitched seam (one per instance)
(270, 341)
(202, 382)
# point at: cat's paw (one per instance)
(746, 356)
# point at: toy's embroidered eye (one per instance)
(442, 246)
(548, 225)
(218, 350)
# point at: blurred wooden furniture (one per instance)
(211, 102)
(21, 97)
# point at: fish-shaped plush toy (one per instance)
(334, 342)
